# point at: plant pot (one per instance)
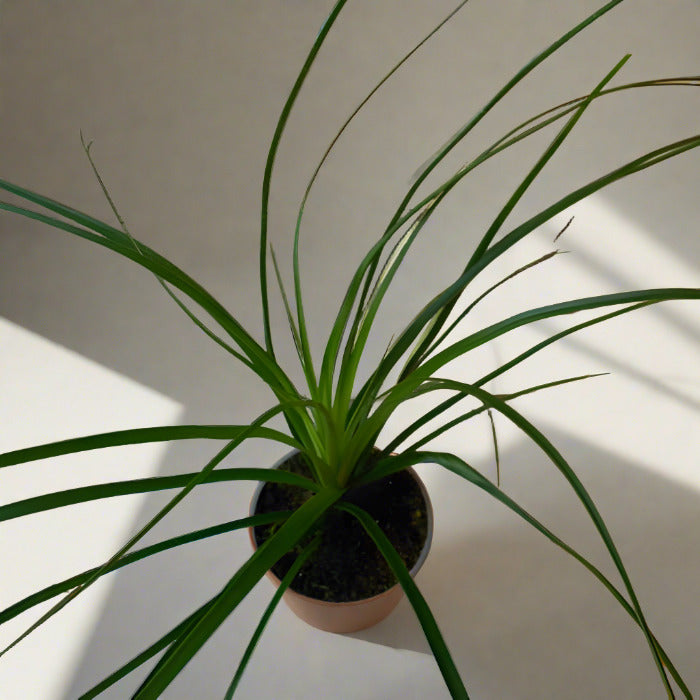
(353, 615)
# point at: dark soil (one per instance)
(347, 565)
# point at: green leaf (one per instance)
(542, 161)
(137, 436)
(483, 295)
(522, 73)
(418, 354)
(405, 389)
(148, 653)
(425, 617)
(562, 465)
(495, 447)
(418, 324)
(517, 134)
(284, 585)
(360, 332)
(462, 346)
(301, 342)
(83, 494)
(396, 463)
(533, 125)
(113, 234)
(257, 358)
(285, 301)
(333, 343)
(297, 230)
(235, 590)
(123, 236)
(447, 404)
(444, 427)
(272, 152)
(67, 584)
(191, 484)
(492, 401)
(495, 330)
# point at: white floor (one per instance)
(51, 393)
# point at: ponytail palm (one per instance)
(335, 419)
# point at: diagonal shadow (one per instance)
(665, 313)
(626, 369)
(150, 597)
(522, 619)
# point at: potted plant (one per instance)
(333, 423)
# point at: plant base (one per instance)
(347, 586)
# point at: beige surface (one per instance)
(50, 393)
(181, 99)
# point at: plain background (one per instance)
(181, 100)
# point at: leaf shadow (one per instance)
(522, 618)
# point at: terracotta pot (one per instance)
(355, 615)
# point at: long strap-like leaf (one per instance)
(406, 388)
(563, 466)
(423, 613)
(84, 494)
(396, 463)
(449, 403)
(78, 579)
(514, 198)
(518, 77)
(148, 653)
(495, 330)
(312, 179)
(235, 590)
(360, 330)
(370, 263)
(272, 152)
(466, 129)
(137, 436)
(256, 358)
(191, 484)
(417, 325)
(402, 343)
(260, 628)
(531, 126)
(445, 426)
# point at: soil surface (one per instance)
(347, 565)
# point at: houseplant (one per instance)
(335, 420)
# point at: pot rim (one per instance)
(348, 603)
